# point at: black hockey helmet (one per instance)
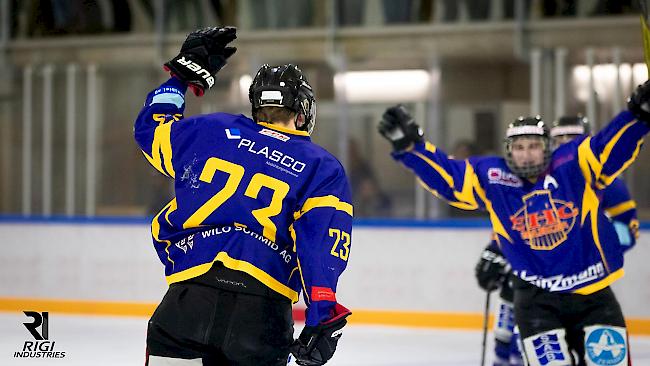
(571, 125)
(566, 128)
(527, 127)
(284, 86)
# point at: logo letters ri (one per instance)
(40, 319)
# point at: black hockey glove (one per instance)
(639, 102)
(398, 127)
(316, 345)
(492, 269)
(202, 55)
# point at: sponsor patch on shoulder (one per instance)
(498, 176)
(233, 133)
(275, 134)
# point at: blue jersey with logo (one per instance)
(621, 210)
(553, 232)
(258, 198)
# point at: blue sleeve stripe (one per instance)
(168, 98)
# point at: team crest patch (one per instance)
(605, 345)
(274, 134)
(498, 176)
(544, 222)
(233, 133)
(548, 349)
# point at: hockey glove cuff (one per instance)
(639, 103)
(316, 344)
(491, 269)
(202, 55)
(399, 127)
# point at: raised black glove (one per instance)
(398, 127)
(491, 269)
(639, 102)
(202, 55)
(316, 345)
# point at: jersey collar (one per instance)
(284, 129)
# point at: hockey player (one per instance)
(493, 272)
(492, 269)
(260, 214)
(615, 198)
(548, 222)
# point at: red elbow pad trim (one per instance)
(322, 293)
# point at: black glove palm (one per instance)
(491, 269)
(316, 345)
(202, 55)
(639, 102)
(398, 127)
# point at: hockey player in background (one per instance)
(260, 213)
(549, 224)
(492, 270)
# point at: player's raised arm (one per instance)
(608, 153)
(452, 180)
(202, 55)
(322, 235)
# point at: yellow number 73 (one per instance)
(235, 174)
(340, 235)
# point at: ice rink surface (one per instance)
(93, 340)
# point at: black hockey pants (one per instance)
(223, 317)
(537, 311)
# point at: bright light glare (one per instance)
(383, 86)
(605, 80)
(245, 82)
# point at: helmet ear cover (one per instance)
(285, 87)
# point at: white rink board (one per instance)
(419, 269)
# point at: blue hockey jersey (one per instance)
(621, 209)
(257, 197)
(553, 232)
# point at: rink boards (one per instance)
(398, 274)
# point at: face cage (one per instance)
(527, 171)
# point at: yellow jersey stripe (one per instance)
(602, 283)
(237, 265)
(155, 163)
(607, 179)
(155, 229)
(620, 208)
(604, 156)
(276, 127)
(588, 164)
(447, 178)
(497, 226)
(460, 205)
(324, 201)
(172, 207)
(466, 194)
(162, 139)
